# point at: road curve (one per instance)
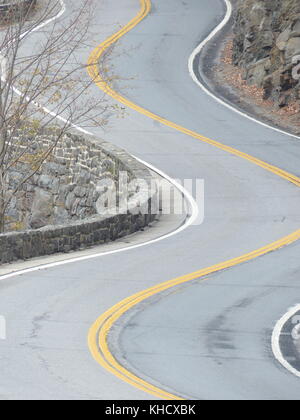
(207, 339)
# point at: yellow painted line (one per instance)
(98, 333)
(94, 72)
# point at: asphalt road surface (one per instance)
(206, 339)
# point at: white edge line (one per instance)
(193, 205)
(279, 326)
(60, 13)
(276, 340)
(198, 50)
(195, 211)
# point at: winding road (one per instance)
(209, 336)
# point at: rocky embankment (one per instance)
(267, 47)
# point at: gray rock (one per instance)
(283, 39)
(45, 181)
(80, 191)
(292, 49)
(266, 40)
(61, 215)
(70, 200)
(42, 209)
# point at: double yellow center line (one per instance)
(99, 332)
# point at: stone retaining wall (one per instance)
(64, 189)
(63, 239)
(65, 193)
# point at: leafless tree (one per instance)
(41, 67)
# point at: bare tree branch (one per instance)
(40, 68)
